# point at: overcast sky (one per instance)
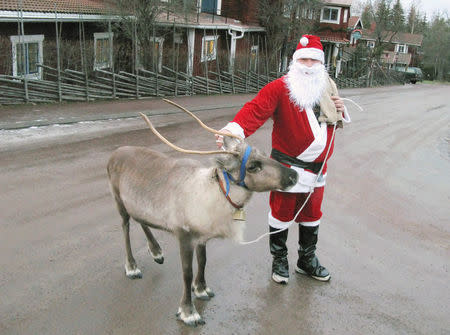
(428, 6)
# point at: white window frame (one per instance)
(102, 36)
(371, 44)
(19, 39)
(208, 38)
(330, 21)
(405, 48)
(159, 40)
(286, 11)
(305, 13)
(344, 19)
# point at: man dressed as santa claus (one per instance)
(305, 107)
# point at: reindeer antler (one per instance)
(211, 130)
(173, 146)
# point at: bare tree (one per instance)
(285, 21)
(138, 22)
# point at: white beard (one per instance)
(306, 84)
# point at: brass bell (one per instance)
(239, 215)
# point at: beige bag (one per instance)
(328, 112)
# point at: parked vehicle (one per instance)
(411, 74)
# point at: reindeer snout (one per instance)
(290, 179)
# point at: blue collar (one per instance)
(239, 182)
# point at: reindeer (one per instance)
(193, 202)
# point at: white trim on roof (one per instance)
(13, 16)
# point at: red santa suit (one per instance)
(296, 133)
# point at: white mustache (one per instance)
(308, 70)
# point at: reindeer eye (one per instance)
(254, 167)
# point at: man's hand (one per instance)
(339, 103)
(219, 138)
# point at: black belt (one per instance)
(283, 158)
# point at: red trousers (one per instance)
(284, 206)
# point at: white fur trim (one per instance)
(310, 224)
(277, 224)
(320, 138)
(306, 181)
(235, 129)
(312, 53)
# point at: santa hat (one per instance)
(309, 47)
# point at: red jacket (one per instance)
(292, 132)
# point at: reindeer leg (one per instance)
(187, 312)
(201, 291)
(131, 269)
(153, 245)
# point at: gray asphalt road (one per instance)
(384, 235)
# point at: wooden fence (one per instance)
(70, 85)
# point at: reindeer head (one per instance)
(249, 168)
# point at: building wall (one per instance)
(245, 11)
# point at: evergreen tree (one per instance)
(436, 46)
(382, 14)
(397, 17)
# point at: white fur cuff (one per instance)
(310, 224)
(277, 224)
(235, 129)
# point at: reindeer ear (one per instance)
(227, 162)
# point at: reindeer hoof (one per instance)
(158, 258)
(133, 273)
(192, 320)
(205, 294)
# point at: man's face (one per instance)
(308, 61)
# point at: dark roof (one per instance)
(352, 21)
(61, 6)
(333, 36)
(401, 38)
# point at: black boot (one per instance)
(308, 263)
(278, 249)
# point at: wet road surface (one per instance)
(384, 234)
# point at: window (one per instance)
(401, 48)
(103, 50)
(145, 54)
(330, 15)
(306, 13)
(209, 48)
(254, 57)
(211, 6)
(286, 10)
(27, 53)
(371, 44)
